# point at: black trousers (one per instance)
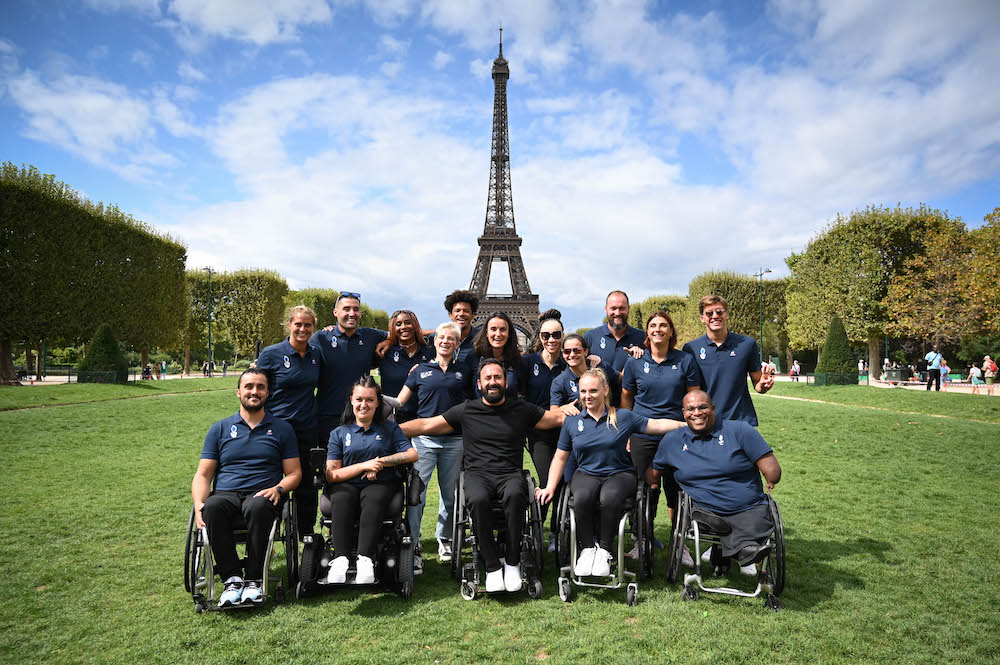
(542, 446)
(220, 512)
(306, 493)
(365, 504)
(606, 494)
(934, 376)
(511, 489)
(643, 452)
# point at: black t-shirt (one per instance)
(493, 436)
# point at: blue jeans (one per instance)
(444, 452)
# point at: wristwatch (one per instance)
(281, 490)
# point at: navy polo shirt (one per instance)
(537, 378)
(249, 459)
(465, 355)
(513, 380)
(659, 388)
(611, 350)
(292, 385)
(724, 369)
(437, 390)
(718, 470)
(345, 359)
(393, 370)
(565, 387)
(353, 444)
(597, 446)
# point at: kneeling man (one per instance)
(719, 464)
(493, 430)
(253, 458)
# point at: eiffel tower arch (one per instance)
(500, 242)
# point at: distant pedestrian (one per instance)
(934, 359)
(795, 371)
(156, 371)
(204, 368)
(163, 363)
(861, 367)
(989, 373)
(225, 365)
(976, 377)
(945, 371)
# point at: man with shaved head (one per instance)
(718, 463)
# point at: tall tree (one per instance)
(982, 287)
(252, 307)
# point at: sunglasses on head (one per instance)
(557, 334)
(571, 352)
(350, 294)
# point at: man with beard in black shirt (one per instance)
(493, 432)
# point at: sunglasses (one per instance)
(554, 335)
(350, 294)
(572, 352)
(714, 312)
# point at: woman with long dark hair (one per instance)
(497, 339)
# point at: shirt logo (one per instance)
(333, 342)
(361, 342)
(685, 447)
(232, 431)
(378, 437)
(702, 353)
(645, 367)
(673, 367)
(287, 362)
(314, 361)
(572, 386)
(395, 357)
(270, 433)
(424, 375)
(535, 370)
(458, 374)
(604, 342)
(347, 440)
(579, 425)
(732, 353)
(721, 440)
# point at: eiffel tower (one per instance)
(500, 241)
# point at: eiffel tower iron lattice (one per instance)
(500, 242)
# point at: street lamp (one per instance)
(210, 314)
(760, 277)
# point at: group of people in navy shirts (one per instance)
(597, 411)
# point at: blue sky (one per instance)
(346, 144)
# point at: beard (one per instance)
(617, 323)
(252, 408)
(494, 398)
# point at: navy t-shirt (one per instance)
(292, 385)
(724, 369)
(613, 351)
(537, 378)
(719, 470)
(393, 370)
(353, 444)
(249, 459)
(597, 446)
(436, 390)
(345, 359)
(659, 388)
(566, 387)
(464, 356)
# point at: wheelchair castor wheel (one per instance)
(301, 590)
(565, 590)
(279, 595)
(690, 593)
(535, 590)
(200, 606)
(632, 594)
(406, 590)
(772, 603)
(468, 591)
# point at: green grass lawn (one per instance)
(22, 397)
(891, 524)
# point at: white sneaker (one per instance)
(512, 578)
(233, 592)
(602, 563)
(366, 571)
(338, 570)
(252, 594)
(686, 559)
(585, 564)
(494, 581)
(444, 550)
(750, 570)
(706, 556)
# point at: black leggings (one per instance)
(305, 494)
(643, 452)
(367, 505)
(607, 494)
(220, 511)
(542, 445)
(511, 490)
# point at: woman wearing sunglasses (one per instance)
(565, 391)
(538, 368)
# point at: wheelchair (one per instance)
(199, 566)
(394, 553)
(471, 573)
(699, 527)
(636, 519)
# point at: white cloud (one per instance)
(389, 45)
(188, 71)
(142, 58)
(391, 69)
(441, 60)
(257, 21)
(146, 7)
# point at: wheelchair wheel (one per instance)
(563, 545)
(644, 533)
(309, 571)
(565, 590)
(776, 558)
(632, 594)
(189, 563)
(404, 571)
(682, 519)
(535, 526)
(291, 545)
(458, 531)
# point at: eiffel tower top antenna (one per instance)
(501, 39)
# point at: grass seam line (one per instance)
(113, 399)
(880, 408)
